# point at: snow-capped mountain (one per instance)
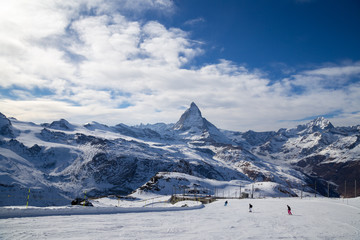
(59, 161)
(62, 124)
(193, 126)
(6, 128)
(317, 148)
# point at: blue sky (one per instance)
(248, 64)
(272, 35)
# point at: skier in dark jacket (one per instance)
(250, 207)
(289, 210)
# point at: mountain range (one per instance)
(60, 161)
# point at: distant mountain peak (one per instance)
(5, 126)
(320, 123)
(3, 118)
(61, 124)
(193, 124)
(193, 105)
(190, 118)
(194, 110)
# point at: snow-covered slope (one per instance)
(312, 219)
(59, 161)
(170, 183)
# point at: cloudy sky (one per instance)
(247, 64)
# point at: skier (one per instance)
(226, 202)
(250, 207)
(289, 210)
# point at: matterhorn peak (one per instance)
(194, 106)
(190, 118)
(193, 126)
(195, 110)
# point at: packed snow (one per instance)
(313, 218)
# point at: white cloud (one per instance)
(167, 46)
(194, 21)
(31, 20)
(95, 63)
(336, 71)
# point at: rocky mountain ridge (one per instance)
(60, 161)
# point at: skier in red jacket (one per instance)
(289, 210)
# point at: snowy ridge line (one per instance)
(11, 212)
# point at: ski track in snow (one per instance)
(318, 218)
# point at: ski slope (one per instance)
(313, 218)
